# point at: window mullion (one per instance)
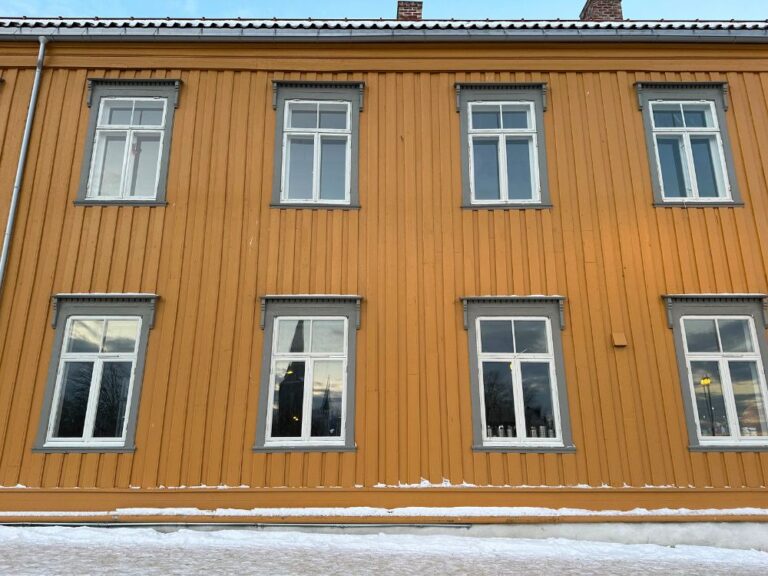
(93, 393)
(517, 392)
(690, 168)
(306, 417)
(503, 176)
(316, 168)
(728, 398)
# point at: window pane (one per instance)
(485, 117)
(520, 180)
(713, 420)
(701, 335)
(499, 400)
(537, 400)
(292, 336)
(108, 164)
(146, 156)
(327, 390)
(328, 336)
(735, 335)
(667, 116)
(301, 152)
(671, 159)
(698, 116)
(514, 117)
(333, 168)
(486, 168)
(85, 336)
(750, 404)
(303, 116)
(117, 112)
(531, 337)
(148, 113)
(706, 162)
(73, 401)
(113, 399)
(288, 400)
(333, 116)
(496, 336)
(121, 336)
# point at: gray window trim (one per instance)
(352, 92)
(308, 305)
(99, 88)
(552, 307)
(717, 92)
(538, 93)
(678, 305)
(66, 305)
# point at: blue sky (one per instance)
(498, 9)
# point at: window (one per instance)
(721, 352)
(96, 370)
(129, 134)
(307, 394)
(518, 384)
(688, 143)
(317, 144)
(502, 138)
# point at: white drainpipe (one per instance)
(22, 161)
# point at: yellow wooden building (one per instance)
(262, 265)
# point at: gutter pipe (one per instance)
(22, 162)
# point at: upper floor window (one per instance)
(721, 352)
(503, 152)
(308, 373)
(518, 385)
(688, 143)
(129, 134)
(316, 144)
(96, 371)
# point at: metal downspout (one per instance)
(22, 161)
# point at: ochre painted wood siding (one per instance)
(411, 252)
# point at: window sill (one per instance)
(506, 206)
(313, 206)
(82, 449)
(307, 448)
(694, 204)
(730, 448)
(527, 449)
(121, 202)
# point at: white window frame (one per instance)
(130, 131)
(684, 132)
(98, 359)
(722, 359)
(515, 359)
(501, 135)
(309, 359)
(316, 134)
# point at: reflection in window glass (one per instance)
(113, 399)
(735, 335)
(671, 159)
(519, 168)
(537, 398)
(701, 335)
(75, 387)
(486, 168)
(496, 336)
(327, 392)
(704, 152)
(328, 336)
(750, 404)
(121, 336)
(85, 336)
(499, 400)
(531, 336)
(288, 399)
(713, 418)
(301, 157)
(146, 163)
(292, 336)
(333, 168)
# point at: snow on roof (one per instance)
(254, 29)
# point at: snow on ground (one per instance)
(85, 550)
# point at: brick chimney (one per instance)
(409, 10)
(599, 10)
